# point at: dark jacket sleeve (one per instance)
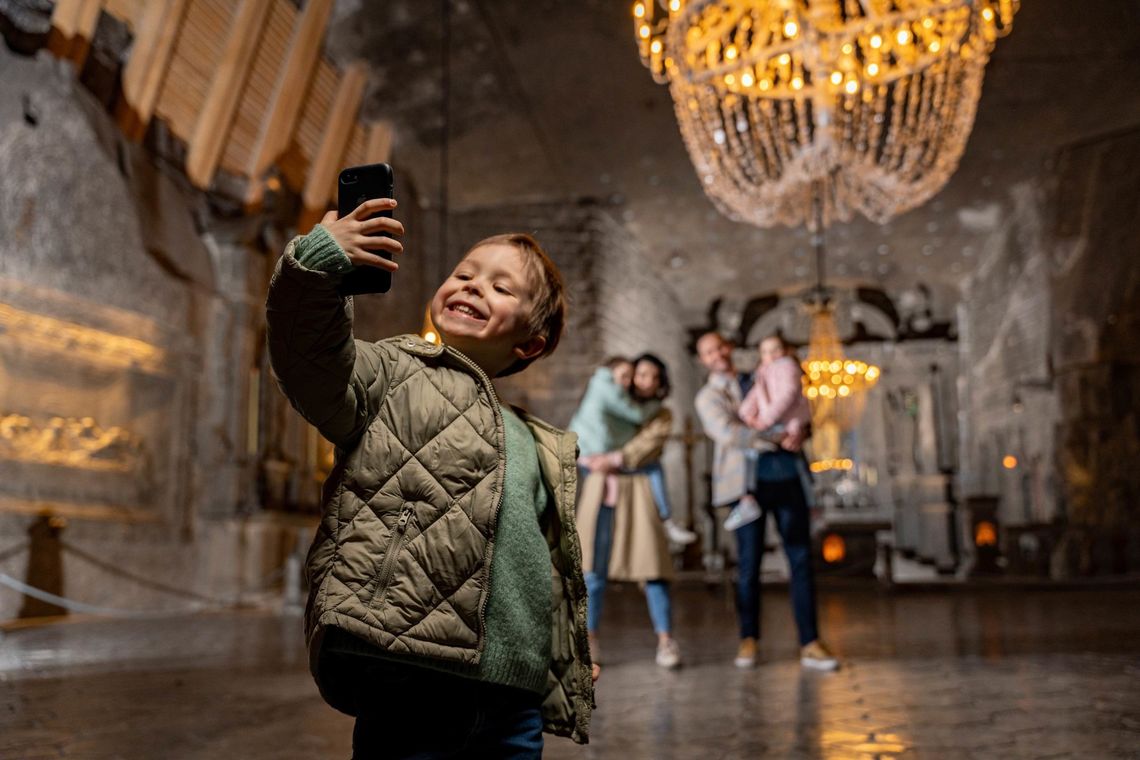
(332, 380)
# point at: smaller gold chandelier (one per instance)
(834, 384)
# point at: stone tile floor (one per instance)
(960, 673)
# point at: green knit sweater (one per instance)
(517, 636)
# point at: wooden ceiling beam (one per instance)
(289, 95)
(73, 25)
(216, 117)
(338, 128)
(155, 35)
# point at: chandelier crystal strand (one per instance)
(874, 97)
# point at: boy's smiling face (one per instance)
(483, 308)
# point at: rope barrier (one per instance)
(12, 551)
(89, 609)
(203, 601)
(146, 582)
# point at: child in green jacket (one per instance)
(446, 605)
(607, 418)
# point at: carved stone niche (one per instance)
(94, 417)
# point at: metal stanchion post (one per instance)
(293, 597)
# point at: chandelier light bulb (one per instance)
(790, 29)
(876, 41)
(639, 10)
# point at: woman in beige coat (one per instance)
(622, 535)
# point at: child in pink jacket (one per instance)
(776, 406)
(776, 402)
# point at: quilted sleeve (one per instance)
(331, 379)
(647, 445)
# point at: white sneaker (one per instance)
(745, 511)
(815, 655)
(677, 534)
(669, 654)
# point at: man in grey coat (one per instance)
(736, 451)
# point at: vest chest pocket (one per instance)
(396, 543)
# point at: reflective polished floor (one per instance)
(960, 673)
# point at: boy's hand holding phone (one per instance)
(358, 235)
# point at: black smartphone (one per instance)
(355, 185)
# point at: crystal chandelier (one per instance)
(874, 99)
(834, 384)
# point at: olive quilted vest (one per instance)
(402, 555)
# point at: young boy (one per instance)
(776, 406)
(607, 418)
(447, 609)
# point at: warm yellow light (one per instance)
(985, 534)
(876, 41)
(935, 46)
(837, 78)
(784, 59)
(988, 14)
(639, 10)
(747, 79)
(852, 86)
(644, 31)
(872, 373)
(765, 84)
(797, 83)
(903, 36)
(730, 52)
(729, 79)
(431, 337)
(812, 393)
(847, 48)
(675, 5)
(844, 391)
(1009, 462)
(928, 23)
(834, 548)
(790, 29)
(655, 47)
(872, 69)
(849, 368)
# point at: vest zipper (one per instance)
(496, 407)
(395, 546)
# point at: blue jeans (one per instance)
(785, 500)
(656, 592)
(406, 712)
(657, 484)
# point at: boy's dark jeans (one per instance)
(784, 499)
(410, 713)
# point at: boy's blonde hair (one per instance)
(548, 315)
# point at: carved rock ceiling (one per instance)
(549, 100)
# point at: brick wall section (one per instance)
(1004, 320)
(618, 305)
(1096, 318)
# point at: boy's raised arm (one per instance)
(327, 375)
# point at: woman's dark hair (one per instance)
(662, 373)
